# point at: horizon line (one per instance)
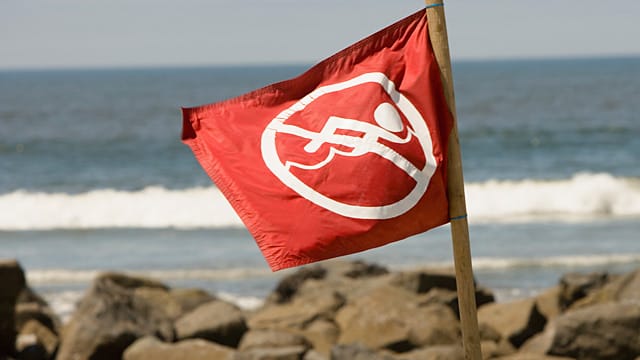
(176, 66)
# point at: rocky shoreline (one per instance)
(337, 310)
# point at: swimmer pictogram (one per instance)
(366, 137)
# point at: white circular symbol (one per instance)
(388, 122)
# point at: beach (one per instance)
(95, 179)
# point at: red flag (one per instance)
(348, 156)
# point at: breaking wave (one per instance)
(583, 197)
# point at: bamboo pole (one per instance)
(457, 206)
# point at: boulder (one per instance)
(323, 334)
(346, 278)
(491, 349)
(548, 303)
(622, 288)
(189, 299)
(28, 295)
(196, 349)
(117, 310)
(314, 355)
(279, 353)
(438, 281)
(604, 332)
(288, 286)
(256, 339)
(216, 321)
(484, 296)
(445, 297)
(36, 341)
(575, 286)
(27, 311)
(360, 269)
(13, 282)
(390, 318)
(527, 356)
(421, 281)
(439, 352)
(354, 269)
(356, 352)
(515, 321)
(540, 343)
(450, 298)
(489, 333)
(298, 313)
(31, 306)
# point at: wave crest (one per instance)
(583, 197)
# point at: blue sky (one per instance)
(90, 33)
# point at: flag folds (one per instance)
(348, 156)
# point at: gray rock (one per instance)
(548, 303)
(346, 278)
(622, 288)
(323, 335)
(516, 321)
(13, 282)
(189, 299)
(314, 355)
(299, 313)
(421, 281)
(288, 286)
(604, 332)
(438, 281)
(575, 286)
(491, 349)
(484, 296)
(116, 311)
(489, 333)
(450, 298)
(361, 269)
(440, 352)
(356, 352)
(36, 341)
(390, 317)
(527, 356)
(216, 321)
(26, 311)
(280, 353)
(271, 339)
(148, 348)
(445, 297)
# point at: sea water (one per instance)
(93, 177)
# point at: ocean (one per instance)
(93, 177)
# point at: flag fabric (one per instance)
(348, 156)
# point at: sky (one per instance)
(133, 33)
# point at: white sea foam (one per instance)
(487, 263)
(68, 276)
(152, 207)
(63, 303)
(582, 197)
(244, 302)
(561, 261)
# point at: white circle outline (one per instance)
(273, 162)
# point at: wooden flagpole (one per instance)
(457, 206)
